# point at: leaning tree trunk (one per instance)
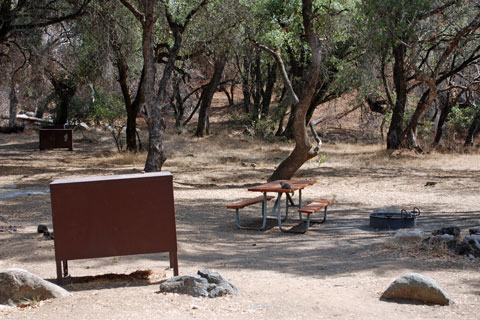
(394, 135)
(445, 108)
(203, 113)
(303, 148)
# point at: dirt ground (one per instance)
(335, 270)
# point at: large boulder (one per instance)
(18, 286)
(206, 283)
(417, 287)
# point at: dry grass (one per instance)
(110, 159)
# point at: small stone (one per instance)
(414, 286)
(42, 228)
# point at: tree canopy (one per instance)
(414, 63)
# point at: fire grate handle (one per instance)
(415, 213)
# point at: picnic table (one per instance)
(289, 188)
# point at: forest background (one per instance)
(413, 64)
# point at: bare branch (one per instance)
(313, 123)
(55, 20)
(278, 58)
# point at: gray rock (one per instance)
(454, 231)
(470, 245)
(18, 285)
(414, 286)
(475, 230)
(206, 283)
(409, 236)
(440, 242)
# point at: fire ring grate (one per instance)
(393, 221)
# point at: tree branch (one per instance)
(278, 58)
(138, 15)
(313, 123)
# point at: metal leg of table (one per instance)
(315, 220)
(276, 210)
(264, 216)
(264, 222)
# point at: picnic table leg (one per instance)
(264, 216)
(276, 206)
(315, 220)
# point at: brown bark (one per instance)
(207, 95)
(473, 130)
(65, 90)
(155, 157)
(303, 150)
(400, 82)
(12, 121)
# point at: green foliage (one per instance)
(262, 128)
(321, 158)
(107, 108)
(461, 117)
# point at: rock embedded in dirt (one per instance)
(417, 287)
(440, 242)
(19, 285)
(454, 231)
(409, 236)
(206, 283)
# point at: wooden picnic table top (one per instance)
(274, 186)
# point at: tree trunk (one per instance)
(257, 87)
(65, 90)
(156, 153)
(423, 105)
(288, 132)
(473, 130)
(444, 109)
(12, 121)
(303, 148)
(42, 106)
(156, 126)
(394, 135)
(209, 91)
(245, 86)
(283, 110)
(131, 112)
(179, 108)
(267, 94)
